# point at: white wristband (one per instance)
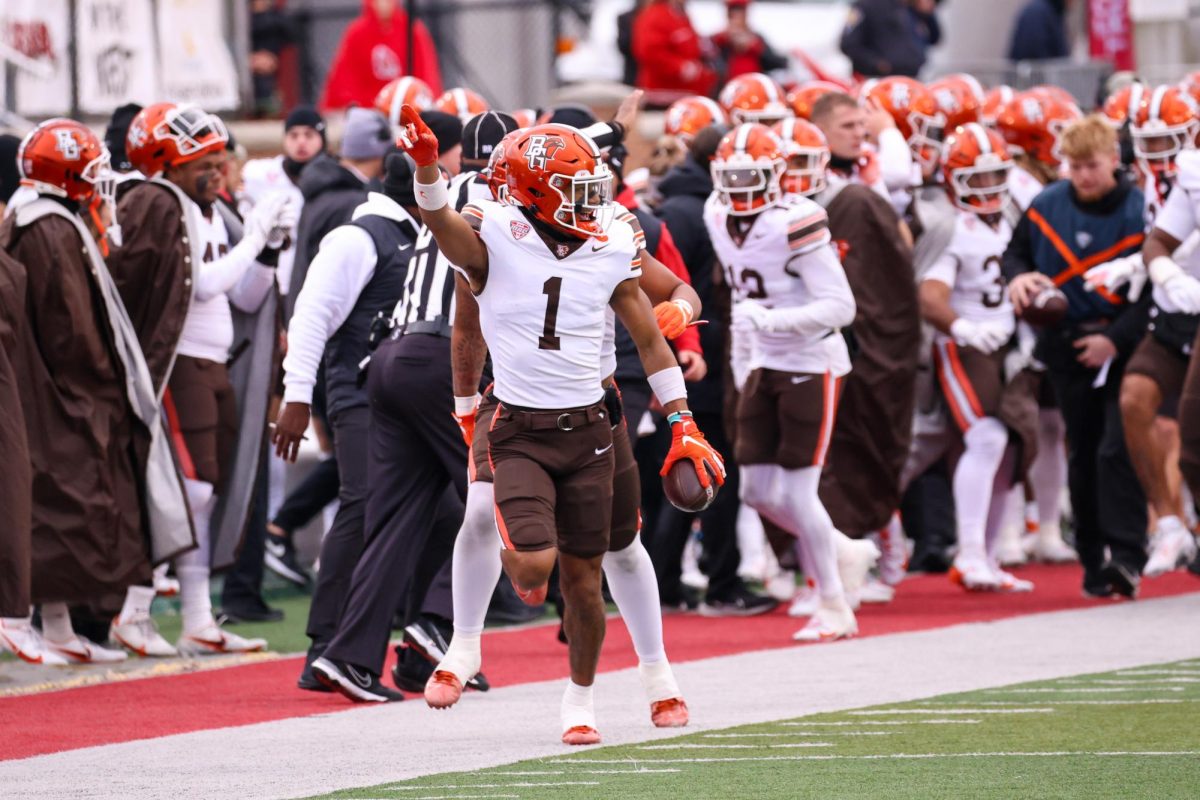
(1162, 269)
(466, 405)
(668, 385)
(686, 307)
(432, 196)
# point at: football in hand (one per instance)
(682, 487)
(1047, 308)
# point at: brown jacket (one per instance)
(15, 478)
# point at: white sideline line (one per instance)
(902, 756)
(953, 711)
(1094, 690)
(1151, 682)
(689, 746)
(524, 785)
(891, 722)
(580, 772)
(1148, 702)
(783, 734)
(1137, 672)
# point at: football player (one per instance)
(791, 297)
(963, 296)
(544, 269)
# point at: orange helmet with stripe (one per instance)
(1164, 124)
(556, 172)
(407, 90)
(994, 102)
(462, 103)
(747, 169)
(975, 165)
(915, 112)
(64, 158)
(807, 155)
(1122, 105)
(754, 97)
(803, 98)
(959, 97)
(166, 134)
(1033, 123)
(689, 115)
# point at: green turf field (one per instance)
(1129, 734)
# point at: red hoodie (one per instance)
(372, 53)
(669, 52)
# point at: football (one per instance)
(682, 487)
(1048, 308)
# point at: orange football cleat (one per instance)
(671, 713)
(581, 734)
(443, 689)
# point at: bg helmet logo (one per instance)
(1032, 110)
(65, 143)
(137, 135)
(541, 149)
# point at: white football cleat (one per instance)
(213, 639)
(140, 635)
(20, 638)
(1047, 546)
(855, 559)
(834, 620)
(1007, 582)
(781, 585)
(1173, 547)
(893, 546)
(1009, 551)
(806, 602)
(164, 585)
(877, 592)
(81, 650)
(974, 575)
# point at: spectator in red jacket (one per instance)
(669, 52)
(742, 49)
(374, 51)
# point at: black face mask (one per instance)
(292, 168)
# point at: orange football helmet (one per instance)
(689, 115)
(807, 156)
(62, 157)
(975, 165)
(960, 98)
(1163, 124)
(525, 117)
(556, 172)
(993, 102)
(413, 91)
(497, 168)
(1057, 92)
(915, 111)
(462, 103)
(803, 98)
(1033, 123)
(1122, 105)
(164, 134)
(754, 97)
(747, 168)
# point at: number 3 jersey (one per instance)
(543, 311)
(785, 260)
(970, 266)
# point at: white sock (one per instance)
(973, 478)
(634, 588)
(201, 501)
(1002, 491)
(811, 520)
(463, 656)
(475, 567)
(577, 707)
(1048, 472)
(658, 680)
(194, 597)
(56, 623)
(137, 604)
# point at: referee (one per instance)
(417, 465)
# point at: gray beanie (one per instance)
(366, 135)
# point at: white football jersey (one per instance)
(544, 315)
(786, 260)
(1023, 187)
(1179, 217)
(608, 351)
(970, 266)
(208, 328)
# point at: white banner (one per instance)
(34, 36)
(115, 64)
(197, 66)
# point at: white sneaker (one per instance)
(213, 639)
(1009, 551)
(165, 586)
(690, 574)
(834, 620)
(855, 560)
(806, 602)
(81, 650)
(1047, 546)
(781, 585)
(1172, 547)
(893, 546)
(26, 643)
(974, 575)
(1007, 582)
(141, 635)
(876, 591)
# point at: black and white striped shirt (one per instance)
(429, 287)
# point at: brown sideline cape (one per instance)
(860, 486)
(15, 478)
(89, 537)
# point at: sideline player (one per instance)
(544, 271)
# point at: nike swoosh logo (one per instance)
(276, 549)
(362, 680)
(801, 378)
(602, 450)
(404, 247)
(601, 247)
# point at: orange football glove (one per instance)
(673, 317)
(415, 137)
(688, 442)
(466, 419)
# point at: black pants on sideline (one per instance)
(718, 525)
(244, 580)
(415, 454)
(343, 544)
(1106, 497)
(319, 488)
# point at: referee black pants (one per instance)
(1106, 497)
(417, 484)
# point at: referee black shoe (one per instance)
(279, 556)
(737, 602)
(423, 648)
(353, 683)
(1123, 580)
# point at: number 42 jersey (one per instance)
(543, 309)
(970, 266)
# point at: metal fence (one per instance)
(1084, 80)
